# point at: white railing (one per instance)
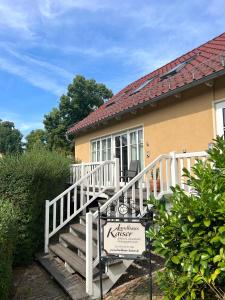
(156, 179)
(78, 196)
(77, 171)
(187, 160)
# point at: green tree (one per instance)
(36, 138)
(10, 138)
(83, 97)
(191, 236)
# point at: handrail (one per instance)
(132, 182)
(77, 171)
(80, 181)
(191, 154)
(63, 208)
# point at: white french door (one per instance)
(126, 145)
(129, 146)
(220, 118)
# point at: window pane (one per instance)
(124, 140)
(109, 143)
(98, 156)
(98, 145)
(133, 152)
(109, 154)
(140, 136)
(104, 155)
(141, 158)
(93, 146)
(133, 138)
(103, 144)
(117, 141)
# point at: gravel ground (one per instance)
(34, 283)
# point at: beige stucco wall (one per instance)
(186, 123)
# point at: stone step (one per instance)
(72, 284)
(71, 258)
(81, 230)
(77, 242)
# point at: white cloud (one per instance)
(36, 79)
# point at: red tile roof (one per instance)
(207, 60)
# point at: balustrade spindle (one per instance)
(61, 210)
(54, 216)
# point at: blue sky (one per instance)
(45, 43)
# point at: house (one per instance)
(164, 120)
(178, 107)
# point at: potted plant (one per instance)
(157, 180)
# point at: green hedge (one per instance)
(7, 238)
(28, 180)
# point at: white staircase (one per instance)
(71, 239)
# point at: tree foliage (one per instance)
(36, 138)
(191, 236)
(10, 138)
(82, 98)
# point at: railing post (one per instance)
(173, 169)
(117, 174)
(89, 254)
(46, 225)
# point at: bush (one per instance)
(28, 180)
(7, 238)
(191, 236)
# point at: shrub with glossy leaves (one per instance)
(191, 236)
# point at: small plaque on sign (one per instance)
(123, 238)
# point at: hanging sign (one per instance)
(124, 238)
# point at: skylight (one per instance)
(176, 69)
(110, 103)
(142, 85)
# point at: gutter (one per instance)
(150, 101)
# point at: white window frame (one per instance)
(112, 138)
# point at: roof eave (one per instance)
(156, 99)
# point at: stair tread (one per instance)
(82, 229)
(77, 242)
(70, 257)
(73, 285)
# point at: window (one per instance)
(110, 103)
(127, 146)
(176, 69)
(136, 146)
(101, 149)
(142, 85)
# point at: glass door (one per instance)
(129, 146)
(121, 152)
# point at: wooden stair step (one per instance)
(93, 209)
(77, 242)
(81, 229)
(72, 284)
(70, 257)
